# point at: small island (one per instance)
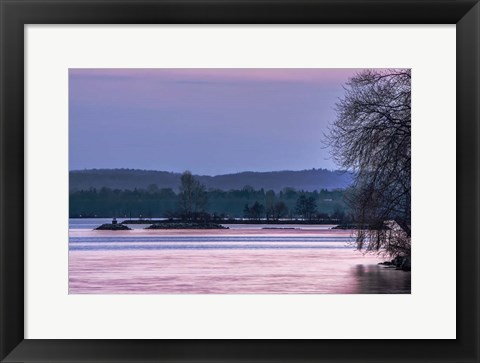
(186, 225)
(113, 227)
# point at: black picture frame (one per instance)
(15, 14)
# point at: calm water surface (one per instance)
(245, 259)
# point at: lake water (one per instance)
(245, 259)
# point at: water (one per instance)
(91, 223)
(245, 259)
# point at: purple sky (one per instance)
(209, 121)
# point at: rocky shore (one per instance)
(399, 263)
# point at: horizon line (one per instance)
(197, 174)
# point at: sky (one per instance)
(208, 121)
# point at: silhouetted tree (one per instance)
(246, 212)
(372, 137)
(193, 197)
(280, 210)
(270, 204)
(306, 207)
(255, 212)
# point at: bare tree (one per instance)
(372, 137)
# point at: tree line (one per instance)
(194, 201)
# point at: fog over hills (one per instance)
(308, 180)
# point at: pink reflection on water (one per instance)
(227, 271)
(234, 231)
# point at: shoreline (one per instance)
(231, 221)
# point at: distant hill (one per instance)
(308, 180)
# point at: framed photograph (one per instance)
(229, 212)
(239, 181)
